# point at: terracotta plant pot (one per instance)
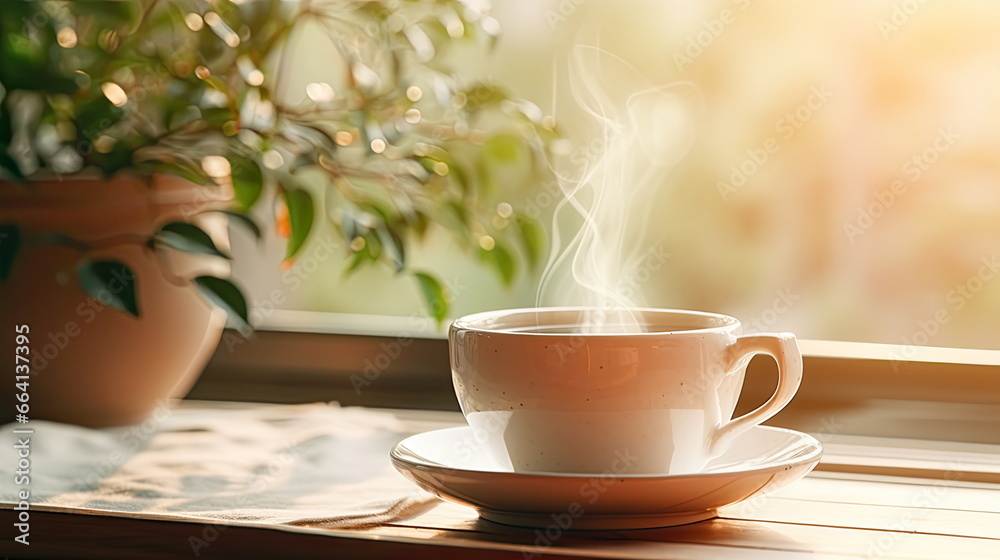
(92, 364)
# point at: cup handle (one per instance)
(783, 348)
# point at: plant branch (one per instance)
(144, 16)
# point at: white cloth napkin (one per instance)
(307, 465)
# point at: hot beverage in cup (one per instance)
(642, 391)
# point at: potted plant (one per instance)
(132, 131)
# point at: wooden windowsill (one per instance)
(837, 511)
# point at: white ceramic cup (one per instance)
(542, 396)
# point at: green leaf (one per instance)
(28, 58)
(460, 176)
(10, 244)
(229, 11)
(434, 296)
(95, 117)
(194, 174)
(248, 181)
(188, 238)
(504, 148)
(428, 165)
(372, 246)
(358, 259)
(420, 224)
(109, 14)
(246, 221)
(350, 227)
(300, 214)
(215, 116)
(532, 238)
(458, 210)
(502, 260)
(393, 245)
(120, 157)
(482, 95)
(111, 283)
(226, 296)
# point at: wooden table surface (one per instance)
(952, 511)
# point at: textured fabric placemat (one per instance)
(313, 465)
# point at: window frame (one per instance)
(849, 388)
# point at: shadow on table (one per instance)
(721, 532)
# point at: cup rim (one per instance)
(468, 322)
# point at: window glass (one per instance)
(825, 168)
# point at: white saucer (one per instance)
(451, 464)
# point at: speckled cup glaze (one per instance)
(651, 402)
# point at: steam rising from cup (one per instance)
(642, 133)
